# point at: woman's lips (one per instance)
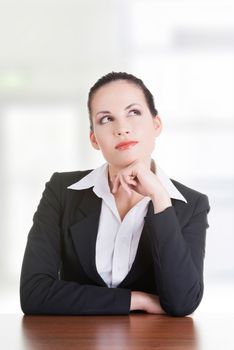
(125, 145)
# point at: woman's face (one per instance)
(123, 127)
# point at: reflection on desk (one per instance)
(201, 331)
(137, 331)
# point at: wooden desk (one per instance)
(137, 331)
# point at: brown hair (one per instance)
(113, 76)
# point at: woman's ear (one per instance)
(157, 125)
(93, 140)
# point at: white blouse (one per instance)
(117, 241)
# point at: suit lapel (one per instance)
(84, 234)
(143, 256)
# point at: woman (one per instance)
(121, 237)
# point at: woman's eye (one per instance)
(105, 119)
(134, 112)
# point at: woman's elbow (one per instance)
(30, 302)
(180, 309)
(27, 307)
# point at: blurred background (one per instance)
(52, 51)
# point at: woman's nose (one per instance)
(123, 132)
(122, 129)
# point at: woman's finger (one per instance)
(125, 185)
(116, 184)
(129, 179)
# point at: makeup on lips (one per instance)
(125, 145)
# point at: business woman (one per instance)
(121, 237)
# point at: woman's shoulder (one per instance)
(66, 179)
(192, 196)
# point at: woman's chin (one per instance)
(125, 162)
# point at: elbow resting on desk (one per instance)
(184, 305)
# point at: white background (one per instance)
(52, 51)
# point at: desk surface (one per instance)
(136, 331)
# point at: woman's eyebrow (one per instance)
(131, 105)
(126, 108)
(102, 112)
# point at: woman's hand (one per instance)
(146, 302)
(139, 178)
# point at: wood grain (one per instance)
(137, 331)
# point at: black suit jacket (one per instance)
(59, 274)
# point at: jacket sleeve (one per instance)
(41, 289)
(178, 254)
